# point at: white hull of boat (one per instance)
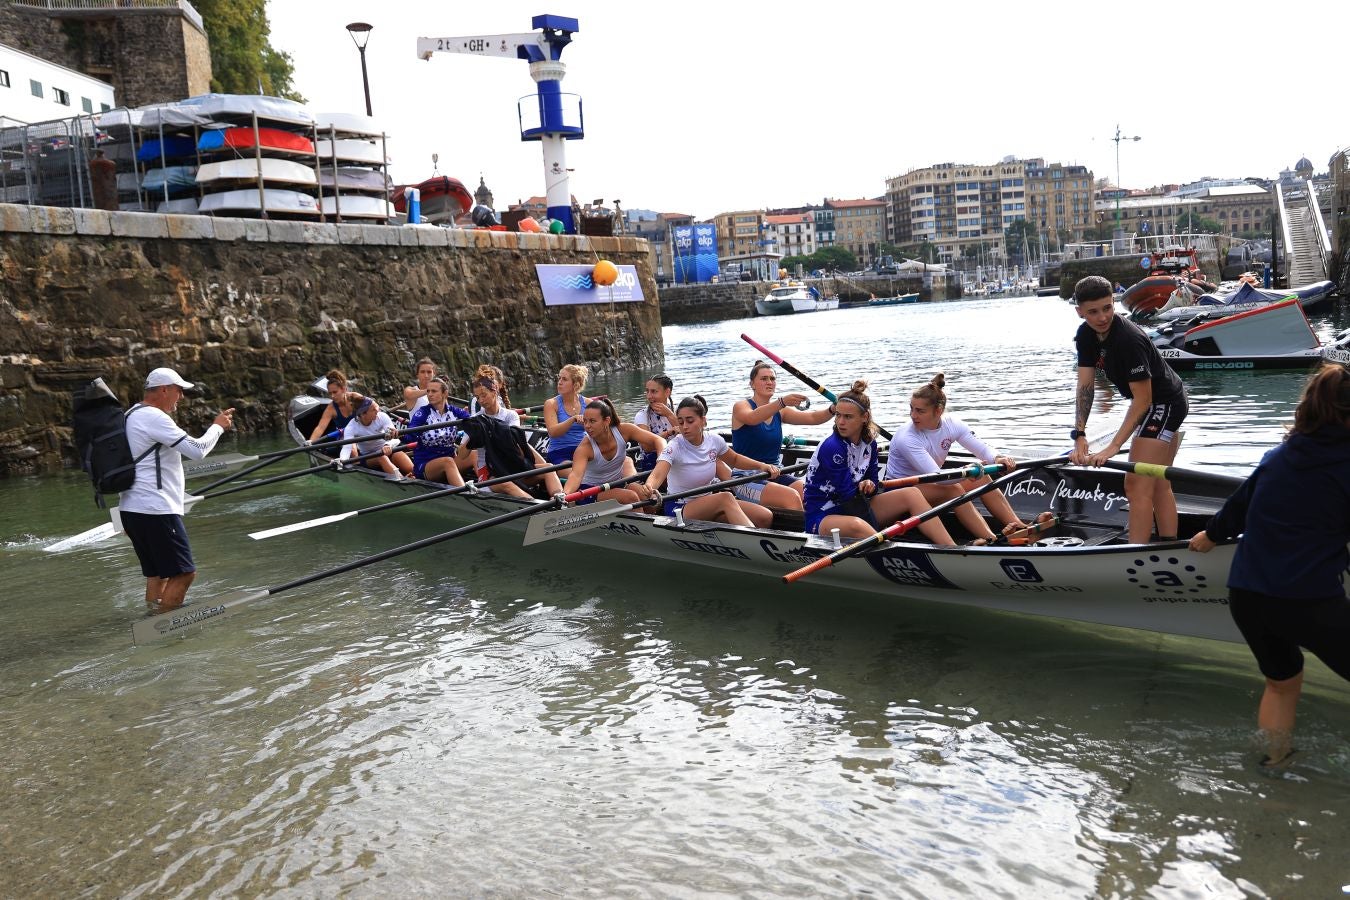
(274, 171)
(352, 150)
(274, 202)
(1276, 336)
(357, 206)
(347, 125)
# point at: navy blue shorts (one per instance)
(161, 543)
(1275, 629)
(1163, 420)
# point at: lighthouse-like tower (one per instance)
(548, 116)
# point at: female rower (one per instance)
(690, 461)
(658, 416)
(416, 397)
(602, 457)
(757, 432)
(374, 423)
(487, 393)
(434, 457)
(921, 447)
(1284, 587)
(338, 412)
(842, 476)
(467, 459)
(562, 414)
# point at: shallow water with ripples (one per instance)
(482, 720)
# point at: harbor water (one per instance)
(482, 719)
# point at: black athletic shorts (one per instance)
(1275, 628)
(161, 543)
(1163, 420)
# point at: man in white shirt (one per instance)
(152, 509)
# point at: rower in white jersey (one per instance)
(922, 446)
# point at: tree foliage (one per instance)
(825, 259)
(1191, 223)
(243, 60)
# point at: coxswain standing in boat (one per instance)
(1123, 353)
(603, 457)
(374, 424)
(562, 414)
(338, 412)
(690, 460)
(434, 456)
(152, 508)
(757, 432)
(922, 447)
(1284, 588)
(842, 477)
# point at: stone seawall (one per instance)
(684, 304)
(257, 309)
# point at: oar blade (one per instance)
(300, 526)
(176, 621)
(92, 536)
(571, 520)
(213, 463)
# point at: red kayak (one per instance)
(267, 139)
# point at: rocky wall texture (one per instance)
(257, 309)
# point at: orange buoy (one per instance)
(530, 224)
(605, 273)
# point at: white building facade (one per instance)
(34, 90)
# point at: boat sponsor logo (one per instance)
(1105, 499)
(1225, 365)
(1031, 486)
(570, 521)
(1020, 570)
(191, 617)
(1024, 577)
(1168, 579)
(572, 285)
(714, 549)
(623, 528)
(795, 555)
(908, 567)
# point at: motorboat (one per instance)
(793, 297)
(1176, 268)
(1236, 297)
(443, 199)
(1274, 336)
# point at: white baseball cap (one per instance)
(164, 376)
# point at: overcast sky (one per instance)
(701, 107)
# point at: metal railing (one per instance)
(97, 5)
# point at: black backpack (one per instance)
(505, 446)
(100, 426)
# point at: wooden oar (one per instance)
(803, 377)
(1172, 473)
(586, 518)
(158, 627)
(393, 504)
(904, 525)
(1019, 536)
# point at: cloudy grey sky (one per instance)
(702, 106)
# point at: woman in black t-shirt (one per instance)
(1128, 359)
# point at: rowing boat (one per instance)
(1083, 571)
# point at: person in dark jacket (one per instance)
(1286, 588)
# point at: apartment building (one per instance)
(958, 207)
(794, 235)
(1059, 201)
(859, 227)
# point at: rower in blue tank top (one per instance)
(757, 432)
(563, 414)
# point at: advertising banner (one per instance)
(695, 253)
(572, 285)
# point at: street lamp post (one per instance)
(1118, 138)
(360, 32)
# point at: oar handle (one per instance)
(1172, 473)
(804, 378)
(597, 489)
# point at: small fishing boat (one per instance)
(1273, 336)
(273, 171)
(1082, 571)
(264, 140)
(443, 199)
(892, 301)
(1177, 268)
(275, 202)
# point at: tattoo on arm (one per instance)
(1084, 405)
